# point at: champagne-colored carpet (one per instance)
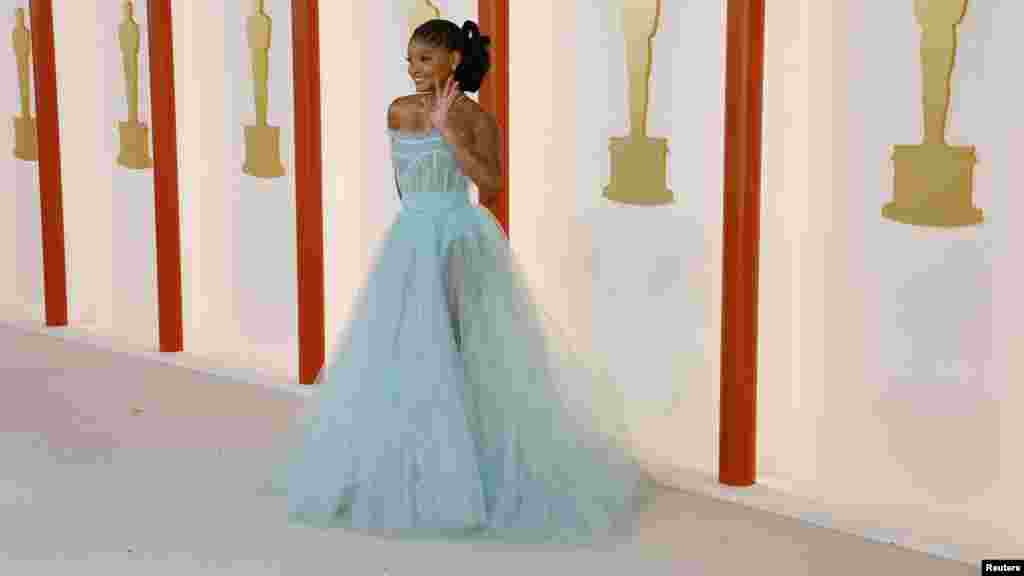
(114, 464)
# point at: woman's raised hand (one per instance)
(438, 105)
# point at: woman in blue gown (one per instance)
(452, 407)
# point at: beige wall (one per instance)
(639, 287)
(21, 256)
(108, 210)
(884, 378)
(237, 271)
(87, 133)
(238, 232)
(887, 351)
(797, 111)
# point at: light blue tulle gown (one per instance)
(451, 407)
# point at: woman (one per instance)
(448, 409)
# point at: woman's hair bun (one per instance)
(476, 59)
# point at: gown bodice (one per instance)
(427, 174)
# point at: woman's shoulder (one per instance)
(407, 100)
(404, 112)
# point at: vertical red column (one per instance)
(308, 187)
(51, 196)
(165, 175)
(744, 73)
(493, 16)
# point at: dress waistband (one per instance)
(434, 202)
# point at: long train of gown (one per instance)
(452, 407)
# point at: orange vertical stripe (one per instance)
(308, 187)
(165, 175)
(51, 196)
(744, 73)
(493, 16)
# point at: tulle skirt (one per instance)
(453, 408)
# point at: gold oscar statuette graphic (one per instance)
(419, 11)
(262, 141)
(24, 124)
(134, 151)
(933, 184)
(638, 170)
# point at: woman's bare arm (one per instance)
(479, 157)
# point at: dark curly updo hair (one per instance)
(476, 59)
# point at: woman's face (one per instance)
(430, 66)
